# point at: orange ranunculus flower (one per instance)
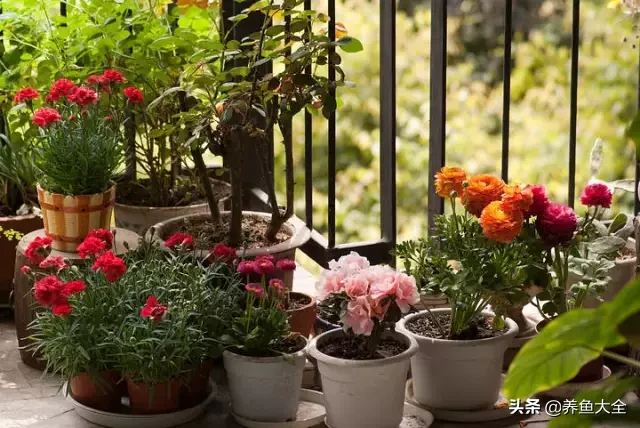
(202, 4)
(499, 225)
(516, 199)
(448, 179)
(480, 191)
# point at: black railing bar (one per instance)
(63, 10)
(437, 99)
(573, 119)
(332, 132)
(388, 123)
(308, 149)
(506, 96)
(316, 249)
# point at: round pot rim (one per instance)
(20, 217)
(316, 354)
(169, 209)
(508, 335)
(267, 360)
(305, 307)
(109, 190)
(300, 234)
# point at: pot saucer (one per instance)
(500, 409)
(570, 389)
(311, 412)
(414, 417)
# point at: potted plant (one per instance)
(76, 154)
(355, 361)
(263, 359)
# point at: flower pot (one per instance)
(140, 218)
(265, 389)
(102, 393)
(322, 326)
(363, 393)
(302, 318)
(457, 374)
(155, 398)
(298, 232)
(431, 301)
(23, 224)
(196, 384)
(69, 219)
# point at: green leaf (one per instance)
(607, 245)
(275, 30)
(239, 17)
(349, 44)
(630, 329)
(618, 222)
(166, 43)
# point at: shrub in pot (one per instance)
(366, 353)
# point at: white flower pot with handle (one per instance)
(363, 393)
(457, 374)
(265, 389)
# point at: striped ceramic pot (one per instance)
(69, 219)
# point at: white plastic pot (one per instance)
(457, 374)
(366, 393)
(265, 389)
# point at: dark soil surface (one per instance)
(327, 313)
(253, 230)
(354, 348)
(297, 301)
(425, 326)
(138, 194)
(291, 345)
(6, 211)
(627, 253)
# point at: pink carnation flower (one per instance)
(397, 284)
(350, 264)
(357, 285)
(358, 316)
(330, 282)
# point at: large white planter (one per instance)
(265, 389)
(457, 374)
(363, 393)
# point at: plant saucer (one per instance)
(128, 420)
(311, 412)
(500, 409)
(414, 417)
(570, 389)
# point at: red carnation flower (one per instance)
(25, 94)
(255, 288)
(74, 287)
(104, 235)
(268, 257)
(246, 267)
(84, 96)
(113, 76)
(111, 266)
(596, 195)
(540, 200)
(224, 253)
(263, 266)
(152, 309)
(56, 262)
(556, 224)
(62, 88)
(133, 94)
(45, 116)
(286, 265)
(25, 270)
(49, 291)
(180, 238)
(38, 249)
(90, 247)
(278, 284)
(62, 310)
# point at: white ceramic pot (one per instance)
(363, 393)
(457, 374)
(265, 389)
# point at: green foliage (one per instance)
(17, 174)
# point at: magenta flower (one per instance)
(556, 224)
(596, 195)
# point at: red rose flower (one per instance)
(25, 94)
(286, 265)
(133, 94)
(95, 80)
(556, 224)
(62, 88)
(104, 235)
(56, 262)
(224, 253)
(38, 250)
(91, 246)
(111, 266)
(596, 195)
(84, 96)
(246, 267)
(255, 288)
(540, 200)
(74, 287)
(25, 270)
(113, 76)
(180, 238)
(263, 266)
(62, 310)
(49, 291)
(45, 116)
(154, 310)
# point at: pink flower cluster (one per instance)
(369, 291)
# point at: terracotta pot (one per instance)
(69, 219)
(102, 393)
(195, 388)
(302, 319)
(139, 219)
(154, 399)
(299, 233)
(23, 224)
